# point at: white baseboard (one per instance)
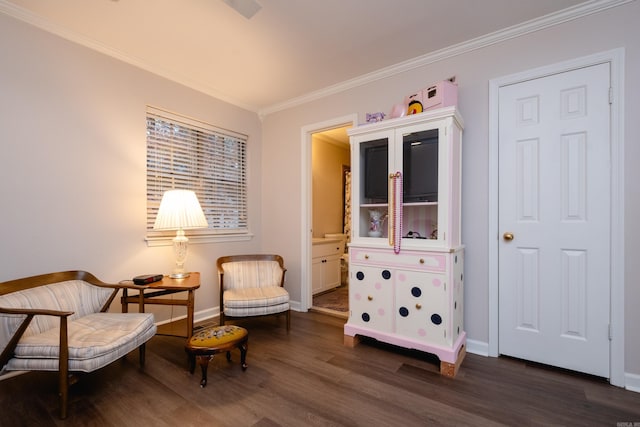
(10, 374)
(209, 313)
(478, 347)
(172, 319)
(632, 382)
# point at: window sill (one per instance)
(198, 239)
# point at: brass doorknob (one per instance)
(507, 236)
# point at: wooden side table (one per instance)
(149, 295)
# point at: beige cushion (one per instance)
(255, 301)
(251, 274)
(95, 341)
(256, 311)
(255, 297)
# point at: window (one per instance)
(188, 154)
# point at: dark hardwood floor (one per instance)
(308, 378)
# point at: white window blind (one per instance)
(184, 153)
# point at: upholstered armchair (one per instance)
(252, 285)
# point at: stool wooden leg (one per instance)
(203, 361)
(243, 354)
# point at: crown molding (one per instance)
(571, 13)
(528, 27)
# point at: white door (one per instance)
(554, 219)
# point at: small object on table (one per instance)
(147, 278)
(205, 343)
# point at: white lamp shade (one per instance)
(179, 209)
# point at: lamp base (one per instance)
(180, 244)
(179, 275)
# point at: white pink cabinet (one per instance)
(406, 260)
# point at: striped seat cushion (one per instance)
(95, 340)
(255, 297)
(255, 301)
(256, 311)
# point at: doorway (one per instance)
(519, 301)
(331, 132)
(330, 164)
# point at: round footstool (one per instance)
(206, 342)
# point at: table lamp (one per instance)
(180, 210)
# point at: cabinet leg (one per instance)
(351, 341)
(451, 369)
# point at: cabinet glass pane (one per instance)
(374, 157)
(420, 166)
(374, 187)
(420, 184)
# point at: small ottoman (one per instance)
(206, 342)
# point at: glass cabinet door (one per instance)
(420, 166)
(374, 187)
(420, 181)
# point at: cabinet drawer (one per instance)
(326, 249)
(419, 261)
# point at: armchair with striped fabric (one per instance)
(252, 285)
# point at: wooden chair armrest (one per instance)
(8, 351)
(123, 285)
(36, 311)
(117, 287)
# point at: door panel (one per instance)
(421, 304)
(554, 180)
(371, 297)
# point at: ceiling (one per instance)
(288, 49)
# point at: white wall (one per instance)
(73, 163)
(613, 28)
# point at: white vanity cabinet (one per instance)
(326, 270)
(406, 259)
